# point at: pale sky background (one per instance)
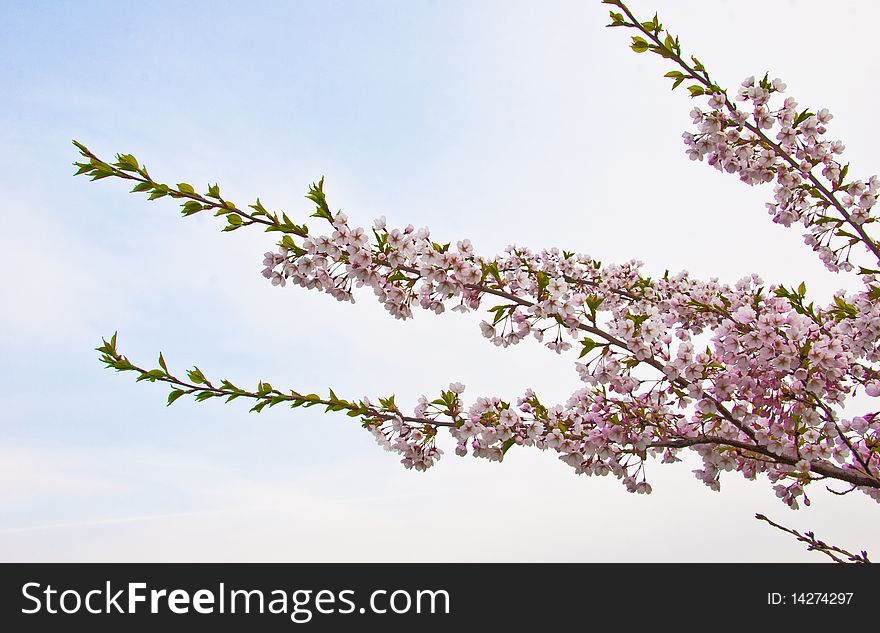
(502, 122)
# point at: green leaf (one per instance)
(617, 19)
(186, 188)
(543, 281)
(316, 195)
(661, 50)
(589, 345)
(196, 376)
(258, 208)
(101, 172)
(127, 162)
(639, 45)
(499, 311)
(159, 191)
(84, 168)
(844, 172)
(191, 207)
(803, 116)
(174, 395)
(506, 446)
(492, 269)
(259, 406)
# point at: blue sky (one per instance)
(498, 121)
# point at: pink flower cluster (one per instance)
(810, 180)
(748, 376)
(417, 446)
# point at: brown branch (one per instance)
(816, 545)
(821, 467)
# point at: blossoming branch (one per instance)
(753, 377)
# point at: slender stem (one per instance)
(222, 204)
(371, 412)
(814, 544)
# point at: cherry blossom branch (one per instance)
(802, 164)
(822, 468)
(129, 168)
(530, 283)
(816, 545)
(201, 388)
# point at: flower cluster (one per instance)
(810, 179)
(754, 396)
(414, 442)
(752, 377)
